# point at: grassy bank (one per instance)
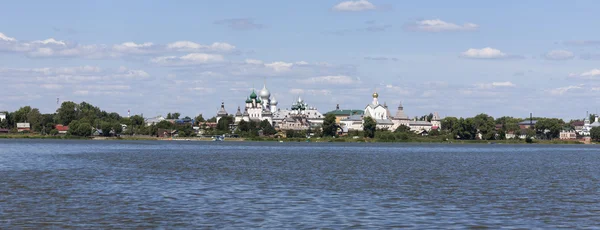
(414, 139)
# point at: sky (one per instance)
(457, 58)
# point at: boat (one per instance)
(218, 138)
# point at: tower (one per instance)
(221, 113)
(238, 116)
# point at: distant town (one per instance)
(261, 116)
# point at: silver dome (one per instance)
(274, 101)
(264, 93)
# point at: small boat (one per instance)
(218, 138)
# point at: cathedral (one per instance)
(258, 107)
(382, 116)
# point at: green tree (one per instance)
(47, 123)
(243, 126)
(267, 128)
(81, 129)
(66, 113)
(465, 129)
(485, 125)
(212, 119)
(549, 128)
(402, 129)
(21, 114)
(53, 132)
(164, 125)
(34, 117)
(595, 133)
(329, 126)
(4, 124)
(369, 127)
(199, 119)
(106, 128)
(137, 120)
(224, 123)
(449, 123)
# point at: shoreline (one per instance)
(313, 140)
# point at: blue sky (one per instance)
(458, 58)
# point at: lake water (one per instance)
(174, 184)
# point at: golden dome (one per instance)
(375, 95)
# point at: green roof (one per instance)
(253, 95)
(346, 112)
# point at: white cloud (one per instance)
(563, 90)
(189, 59)
(52, 47)
(559, 55)
(50, 41)
(359, 5)
(7, 38)
(280, 66)
(335, 79)
(591, 74)
(253, 62)
(484, 53)
(437, 25)
(495, 85)
(131, 47)
(189, 46)
(42, 52)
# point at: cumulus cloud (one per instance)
(188, 46)
(7, 38)
(485, 53)
(240, 24)
(354, 6)
(495, 85)
(189, 59)
(280, 66)
(563, 90)
(437, 25)
(57, 48)
(134, 48)
(559, 55)
(334, 79)
(589, 75)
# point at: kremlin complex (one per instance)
(261, 105)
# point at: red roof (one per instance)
(62, 128)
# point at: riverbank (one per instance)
(434, 140)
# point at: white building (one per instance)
(381, 114)
(154, 120)
(222, 112)
(300, 116)
(2, 116)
